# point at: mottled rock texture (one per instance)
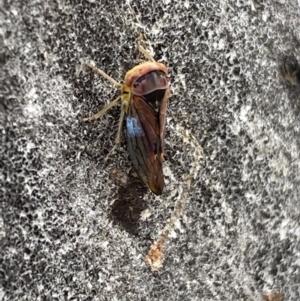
(70, 226)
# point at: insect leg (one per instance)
(102, 73)
(145, 53)
(118, 137)
(169, 95)
(103, 111)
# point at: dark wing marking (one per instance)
(145, 135)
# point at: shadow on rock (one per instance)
(126, 210)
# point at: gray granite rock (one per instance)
(71, 226)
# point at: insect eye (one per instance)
(163, 75)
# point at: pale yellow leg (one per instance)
(110, 105)
(143, 50)
(102, 73)
(118, 137)
(104, 110)
(145, 53)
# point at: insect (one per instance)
(144, 98)
(289, 70)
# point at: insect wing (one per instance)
(162, 120)
(145, 134)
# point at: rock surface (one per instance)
(74, 227)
